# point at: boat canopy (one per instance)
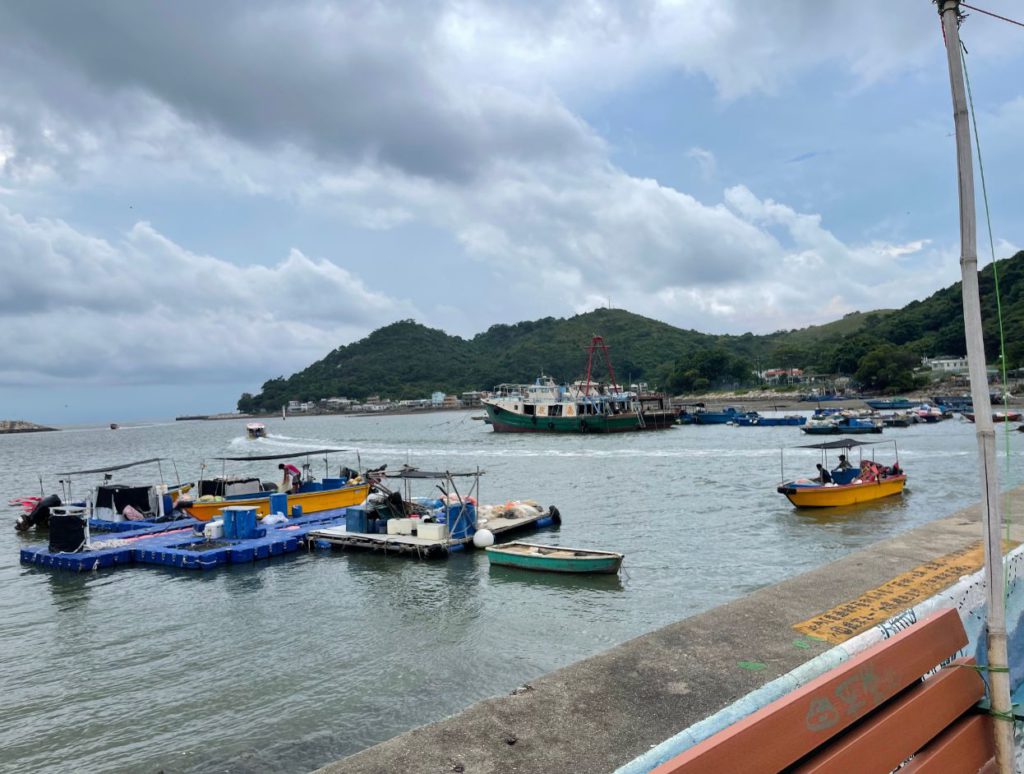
(112, 468)
(417, 473)
(843, 443)
(280, 456)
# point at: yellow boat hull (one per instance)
(848, 494)
(311, 502)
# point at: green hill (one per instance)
(408, 360)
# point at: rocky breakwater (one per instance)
(20, 426)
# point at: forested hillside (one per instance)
(880, 349)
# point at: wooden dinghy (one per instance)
(534, 556)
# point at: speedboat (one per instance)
(256, 430)
(869, 480)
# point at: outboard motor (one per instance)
(40, 515)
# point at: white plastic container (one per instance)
(402, 526)
(393, 527)
(214, 530)
(431, 531)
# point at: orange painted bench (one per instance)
(869, 714)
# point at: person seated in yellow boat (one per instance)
(843, 463)
(870, 471)
(824, 477)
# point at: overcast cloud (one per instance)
(270, 180)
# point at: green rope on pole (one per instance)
(999, 303)
(981, 668)
(1003, 715)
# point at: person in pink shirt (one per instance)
(292, 476)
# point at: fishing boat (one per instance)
(860, 483)
(312, 496)
(108, 501)
(929, 413)
(754, 419)
(836, 424)
(256, 430)
(687, 412)
(900, 419)
(583, 407)
(727, 414)
(997, 416)
(536, 556)
(957, 403)
(891, 404)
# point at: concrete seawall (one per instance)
(600, 713)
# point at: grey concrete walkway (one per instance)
(597, 714)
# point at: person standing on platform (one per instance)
(292, 477)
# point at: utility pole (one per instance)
(991, 512)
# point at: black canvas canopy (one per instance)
(417, 473)
(112, 467)
(281, 456)
(843, 443)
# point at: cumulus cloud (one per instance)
(147, 310)
(354, 82)
(462, 117)
(441, 90)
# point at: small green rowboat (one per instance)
(534, 556)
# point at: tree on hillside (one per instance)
(247, 404)
(707, 367)
(888, 368)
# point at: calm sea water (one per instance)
(292, 663)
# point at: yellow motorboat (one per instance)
(313, 496)
(845, 484)
(312, 501)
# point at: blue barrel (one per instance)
(245, 523)
(228, 515)
(296, 511)
(279, 503)
(462, 521)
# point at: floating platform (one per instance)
(426, 548)
(180, 546)
(141, 527)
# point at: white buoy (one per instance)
(483, 538)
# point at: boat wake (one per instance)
(284, 442)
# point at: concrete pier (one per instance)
(600, 713)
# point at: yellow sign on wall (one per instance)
(851, 618)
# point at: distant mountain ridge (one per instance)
(408, 360)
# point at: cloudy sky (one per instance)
(196, 197)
